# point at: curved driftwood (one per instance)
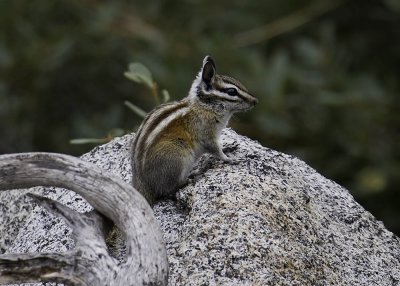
(89, 263)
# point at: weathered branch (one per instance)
(55, 267)
(89, 263)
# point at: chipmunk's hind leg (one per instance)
(164, 177)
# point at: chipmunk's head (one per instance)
(222, 91)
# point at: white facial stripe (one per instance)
(222, 95)
(228, 97)
(240, 91)
(246, 95)
(224, 85)
(229, 85)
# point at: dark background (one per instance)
(326, 73)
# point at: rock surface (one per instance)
(269, 219)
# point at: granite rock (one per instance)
(268, 219)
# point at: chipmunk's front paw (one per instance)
(226, 159)
(233, 161)
(230, 148)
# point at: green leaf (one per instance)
(137, 110)
(116, 132)
(139, 73)
(87, 141)
(165, 95)
(371, 180)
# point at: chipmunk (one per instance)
(174, 135)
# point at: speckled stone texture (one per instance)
(269, 219)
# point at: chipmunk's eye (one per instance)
(231, 91)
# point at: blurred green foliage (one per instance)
(327, 74)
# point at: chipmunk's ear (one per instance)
(208, 70)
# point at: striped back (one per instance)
(154, 122)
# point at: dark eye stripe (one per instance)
(224, 90)
(247, 98)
